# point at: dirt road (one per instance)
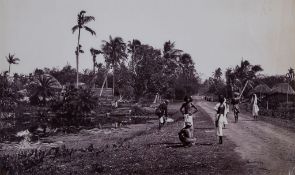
(270, 147)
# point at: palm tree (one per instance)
(11, 60)
(171, 56)
(44, 86)
(242, 75)
(133, 50)
(94, 52)
(290, 75)
(187, 66)
(81, 21)
(114, 52)
(217, 73)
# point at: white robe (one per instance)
(188, 119)
(221, 121)
(255, 108)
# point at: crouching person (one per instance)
(186, 135)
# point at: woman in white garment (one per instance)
(255, 108)
(225, 112)
(220, 117)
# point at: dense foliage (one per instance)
(73, 106)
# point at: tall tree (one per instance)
(132, 48)
(114, 52)
(188, 69)
(11, 60)
(172, 57)
(217, 73)
(94, 52)
(290, 75)
(245, 72)
(81, 21)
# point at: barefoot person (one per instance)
(187, 110)
(220, 115)
(235, 102)
(162, 113)
(186, 135)
(255, 108)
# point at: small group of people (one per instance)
(222, 109)
(188, 109)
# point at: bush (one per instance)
(74, 106)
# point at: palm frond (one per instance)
(87, 19)
(90, 30)
(75, 28)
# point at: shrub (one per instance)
(74, 106)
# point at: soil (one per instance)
(249, 148)
(266, 144)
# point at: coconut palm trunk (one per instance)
(94, 68)
(77, 58)
(114, 68)
(81, 21)
(9, 69)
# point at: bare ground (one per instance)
(142, 149)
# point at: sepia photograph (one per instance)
(147, 87)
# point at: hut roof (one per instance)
(261, 88)
(283, 88)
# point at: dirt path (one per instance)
(270, 147)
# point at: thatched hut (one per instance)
(282, 93)
(262, 91)
(282, 88)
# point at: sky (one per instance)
(217, 33)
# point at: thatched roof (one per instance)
(261, 89)
(282, 88)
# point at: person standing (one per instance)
(220, 115)
(187, 110)
(162, 113)
(235, 102)
(226, 112)
(255, 108)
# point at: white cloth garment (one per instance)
(222, 120)
(255, 108)
(188, 119)
(225, 112)
(219, 129)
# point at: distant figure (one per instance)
(187, 110)
(162, 113)
(255, 108)
(186, 135)
(235, 102)
(226, 112)
(115, 104)
(220, 115)
(156, 98)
